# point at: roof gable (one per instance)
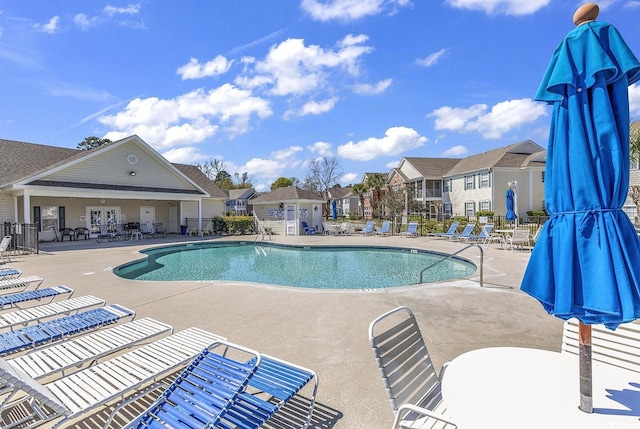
(287, 194)
(508, 156)
(129, 164)
(427, 167)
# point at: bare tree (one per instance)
(212, 169)
(323, 174)
(243, 181)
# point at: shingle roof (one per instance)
(432, 167)
(514, 155)
(20, 160)
(289, 193)
(244, 193)
(338, 193)
(201, 179)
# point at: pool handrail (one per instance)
(446, 257)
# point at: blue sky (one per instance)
(267, 86)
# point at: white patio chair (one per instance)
(75, 395)
(4, 249)
(519, 237)
(411, 382)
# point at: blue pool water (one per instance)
(300, 266)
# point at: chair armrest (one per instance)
(407, 408)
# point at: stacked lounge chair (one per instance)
(13, 299)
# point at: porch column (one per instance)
(26, 207)
(200, 217)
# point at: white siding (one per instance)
(7, 208)
(112, 167)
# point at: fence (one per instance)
(24, 237)
(427, 224)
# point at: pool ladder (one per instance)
(446, 257)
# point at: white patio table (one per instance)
(508, 387)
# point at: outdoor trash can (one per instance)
(183, 229)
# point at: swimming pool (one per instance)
(317, 267)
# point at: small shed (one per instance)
(284, 209)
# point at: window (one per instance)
(49, 217)
(470, 208)
(446, 209)
(447, 185)
(631, 211)
(485, 182)
(469, 182)
(434, 188)
(485, 205)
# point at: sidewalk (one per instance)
(325, 330)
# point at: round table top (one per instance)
(509, 387)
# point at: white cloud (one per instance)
(184, 155)
(634, 100)
(502, 118)
(321, 148)
(348, 178)
(84, 22)
(632, 4)
(111, 15)
(194, 70)
(131, 9)
(455, 151)
(392, 164)
(395, 141)
(501, 7)
(188, 118)
(349, 10)
(368, 89)
(431, 59)
(50, 27)
(272, 168)
(314, 107)
(295, 69)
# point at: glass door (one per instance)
(102, 217)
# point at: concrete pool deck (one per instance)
(325, 330)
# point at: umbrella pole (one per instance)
(586, 397)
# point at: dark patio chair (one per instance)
(68, 232)
(82, 232)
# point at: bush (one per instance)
(488, 213)
(533, 213)
(239, 224)
(219, 226)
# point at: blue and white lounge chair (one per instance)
(20, 282)
(73, 353)
(36, 314)
(412, 230)
(466, 232)
(9, 273)
(368, 228)
(450, 232)
(77, 394)
(309, 230)
(13, 299)
(485, 234)
(385, 228)
(202, 396)
(30, 337)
